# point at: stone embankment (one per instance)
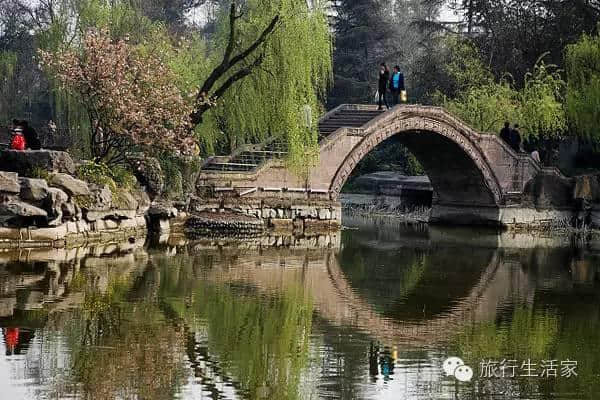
(257, 215)
(43, 205)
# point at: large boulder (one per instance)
(70, 210)
(163, 210)
(101, 197)
(54, 203)
(587, 187)
(143, 201)
(9, 182)
(19, 213)
(33, 189)
(28, 161)
(549, 190)
(124, 200)
(72, 186)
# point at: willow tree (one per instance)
(8, 63)
(485, 102)
(274, 59)
(583, 86)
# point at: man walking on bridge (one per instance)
(384, 77)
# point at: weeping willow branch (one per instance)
(204, 98)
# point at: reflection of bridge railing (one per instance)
(338, 302)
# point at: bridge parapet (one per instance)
(468, 170)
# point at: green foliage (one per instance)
(541, 102)
(121, 19)
(40, 173)
(529, 333)
(390, 155)
(485, 108)
(8, 100)
(181, 173)
(295, 72)
(583, 88)
(8, 62)
(485, 103)
(116, 178)
(465, 66)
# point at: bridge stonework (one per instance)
(477, 178)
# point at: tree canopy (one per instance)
(250, 76)
(583, 89)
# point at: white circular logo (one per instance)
(451, 364)
(464, 373)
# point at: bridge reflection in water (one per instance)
(245, 320)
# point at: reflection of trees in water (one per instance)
(124, 349)
(259, 341)
(525, 333)
(398, 277)
(559, 325)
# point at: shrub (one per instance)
(116, 178)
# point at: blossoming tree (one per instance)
(129, 95)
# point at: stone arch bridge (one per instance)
(477, 178)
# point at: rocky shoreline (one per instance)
(44, 205)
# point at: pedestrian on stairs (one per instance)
(515, 139)
(384, 77)
(397, 84)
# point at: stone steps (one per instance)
(346, 118)
(249, 160)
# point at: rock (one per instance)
(587, 187)
(143, 200)
(282, 224)
(391, 183)
(92, 216)
(54, 205)
(54, 233)
(69, 210)
(9, 182)
(73, 186)
(124, 200)
(163, 210)
(324, 214)
(163, 226)
(549, 190)
(16, 209)
(33, 189)
(148, 172)
(27, 162)
(101, 198)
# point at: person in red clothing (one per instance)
(11, 337)
(18, 140)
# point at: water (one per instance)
(371, 313)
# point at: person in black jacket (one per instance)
(505, 133)
(384, 77)
(515, 139)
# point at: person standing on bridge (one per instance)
(505, 133)
(384, 77)
(515, 139)
(397, 84)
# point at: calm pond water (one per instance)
(370, 313)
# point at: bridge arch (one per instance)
(449, 151)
